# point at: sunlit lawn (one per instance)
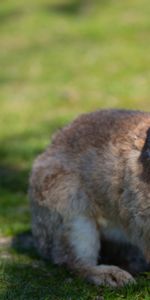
(59, 59)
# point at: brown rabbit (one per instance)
(93, 181)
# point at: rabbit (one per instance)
(93, 182)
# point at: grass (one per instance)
(58, 59)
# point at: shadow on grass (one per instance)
(38, 281)
(14, 179)
(23, 243)
(17, 153)
(74, 7)
(64, 8)
(26, 281)
(29, 277)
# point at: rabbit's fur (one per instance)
(93, 181)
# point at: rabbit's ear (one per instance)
(145, 155)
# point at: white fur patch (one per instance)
(85, 239)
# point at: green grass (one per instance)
(58, 59)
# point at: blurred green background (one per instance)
(59, 58)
